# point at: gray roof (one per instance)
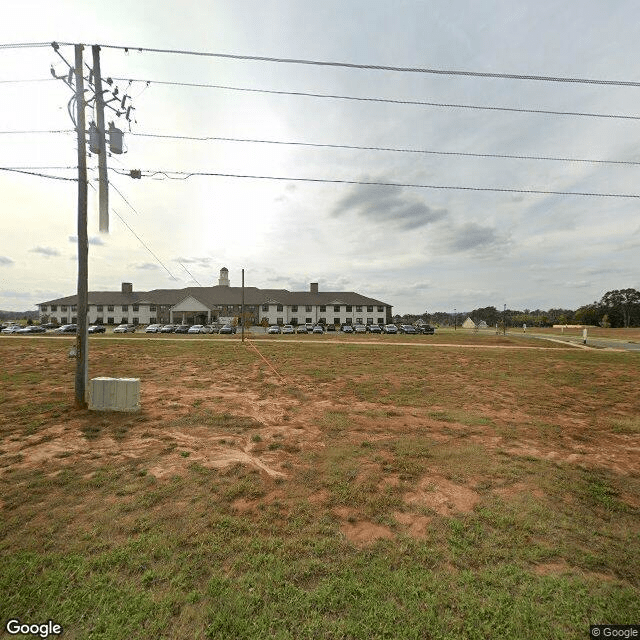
(221, 295)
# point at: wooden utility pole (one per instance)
(103, 184)
(82, 341)
(242, 308)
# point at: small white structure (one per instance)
(468, 324)
(114, 394)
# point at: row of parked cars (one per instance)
(348, 328)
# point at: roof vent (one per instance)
(313, 287)
(127, 287)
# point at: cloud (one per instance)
(389, 205)
(201, 262)
(5, 261)
(45, 251)
(96, 240)
(144, 265)
(471, 237)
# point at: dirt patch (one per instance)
(414, 525)
(443, 496)
(363, 533)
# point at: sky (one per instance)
(419, 247)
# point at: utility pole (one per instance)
(242, 308)
(82, 342)
(103, 184)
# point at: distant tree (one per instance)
(589, 314)
(623, 304)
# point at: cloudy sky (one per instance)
(418, 247)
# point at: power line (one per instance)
(25, 45)
(391, 149)
(376, 67)
(386, 100)
(184, 175)
(28, 131)
(35, 173)
(27, 80)
(140, 240)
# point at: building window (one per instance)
(99, 307)
(322, 321)
(125, 307)
(336, 321)
(153, 320)
(74, 320)
(110, 320)
(349, 321)
(308, 308)
(74, 307)
(43, 307)
(294, 321)
(265, 307)
(99, 320)
(370, 308)
(348, 308)
(152, 307)
(136, 321)
(294, 307)
(358, 309)
(135, 307)
(380, 308)
(358, 320)
(63, 320)
(380, 320)
(280, 320)
(308, 320)
(323, 308)
(110, 307)
(63, 307)
(279, 307)
(369, 320)
(54, 307)
(336, 308)
(124, 320)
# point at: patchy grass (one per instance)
(417, 493)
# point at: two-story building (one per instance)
(204, 305)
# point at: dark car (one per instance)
(67, 328)
(97, 328)
(301, 329)
(227, 329)
(31, 329)
(373, 328)
(331, 327)
(407, 328)
(427, 329)
(182, 328)
(50, 325)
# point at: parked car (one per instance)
(288, 328)
(153, 328)
(50, 325)
(407, 328)
(196, 328)
(209, 328)
(125, 328)
(331, 327)
(390, 328)
(182, 328)
(168, 328)
(12, 328)
(359, 328)
(309, 326)
(302, 328)
(318, 329)
(373, 328)
(97, 328)
(274, 328)
(426, 329)
(67, 328)
(227, 329)
(34, 328)
(346, 328)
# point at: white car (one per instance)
(12, 328)
(153, 328)
(196, 328)
(288, 328)
(125, 328)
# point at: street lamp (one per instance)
(455, 316)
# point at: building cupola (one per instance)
(223, 280)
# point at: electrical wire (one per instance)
(184, 175)
(37, 131)
(377, 67)
(387, 100)
(25, 45)
(27, 80)
(392, 149)
(140, 240)
(35, 173)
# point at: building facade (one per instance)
(221, 303)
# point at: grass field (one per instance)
(339, 489)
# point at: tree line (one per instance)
(617, 308)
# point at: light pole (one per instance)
(504, 321)
(455, 322)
